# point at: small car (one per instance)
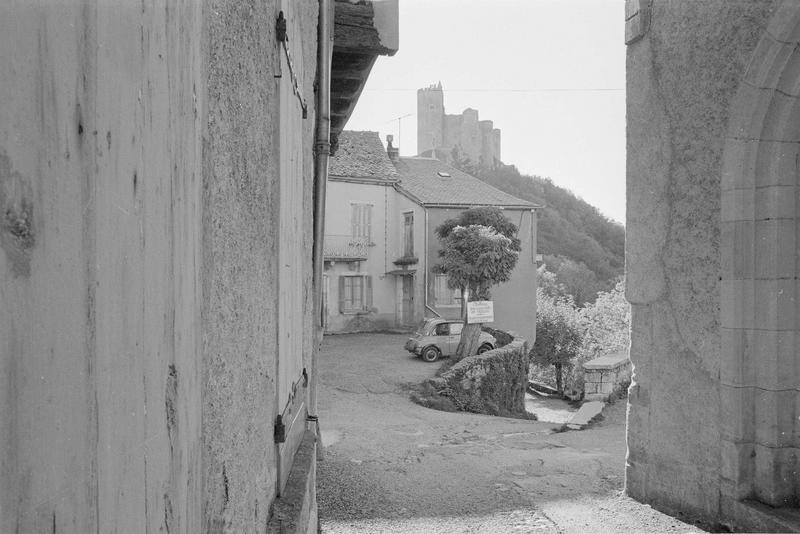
(435, 338)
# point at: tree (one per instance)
(479, 249)
(606, 324)
(558, 334)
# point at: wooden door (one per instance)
(408, 300)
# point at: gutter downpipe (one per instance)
(322, 151)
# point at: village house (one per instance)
(380, 242)
(161, 173)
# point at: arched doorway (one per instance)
(759, 318)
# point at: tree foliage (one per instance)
(606, 324)
(558, 334)
(568, 226)
(479, 249)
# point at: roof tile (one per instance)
(426, 179)
(361, 155)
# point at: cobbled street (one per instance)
(389, 465)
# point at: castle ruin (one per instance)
(438, 133)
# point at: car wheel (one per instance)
(430, 354)
(484, 348)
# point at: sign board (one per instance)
(480, 311)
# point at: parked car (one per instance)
(435, 338)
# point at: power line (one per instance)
(542, 90)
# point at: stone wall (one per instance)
(710, 145)
(492, 383)
(139, 259)
(605, 375)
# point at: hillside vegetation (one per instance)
(584, 248)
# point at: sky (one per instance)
(549, 73)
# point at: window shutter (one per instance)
(368, 223)
(368, 282)
(354, 220)
(341, 294)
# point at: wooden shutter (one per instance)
(341, 294)
(368, 300)
(368, 223)
(354, 220)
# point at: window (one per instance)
(455, 329)
(355, 294)
(408, 234)
(443, 295)
(442, 329)
(361, 221)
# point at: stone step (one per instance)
(585, 414)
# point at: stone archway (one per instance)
(760, 263)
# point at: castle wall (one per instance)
(475, 139)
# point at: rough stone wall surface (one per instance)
(492, 383)
(682, 77)
(100, 189)
(242, 202)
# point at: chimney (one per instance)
(394, 153)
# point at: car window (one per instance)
(455, 328)
(442, 329)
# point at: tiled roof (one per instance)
(423, 179)
(361, 155)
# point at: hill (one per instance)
(577, 241)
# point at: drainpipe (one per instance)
(322, 150)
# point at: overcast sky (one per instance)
(549, 73)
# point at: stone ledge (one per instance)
(608, 362)
(752, 516)
(295, 511)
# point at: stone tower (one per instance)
(430, 118)
(438, 133)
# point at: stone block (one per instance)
(773, 259)
(774, 417)
(637, 24)
(736, 250)
(734, 369)
(776, 202)
(737, 467)
(773, 358)
(776, 163)
(587, 412)
(739, 164)
(776, 473)
(782, 25)
(737, 413)
(774, 304)
(770, 64)
(738, 205)
(736, 303)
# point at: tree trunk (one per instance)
(559, 386)
(468, 344)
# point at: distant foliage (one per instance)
(606, 324)
(569, 227)
(568, 336)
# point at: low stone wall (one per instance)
(603, 375)
(491, 383)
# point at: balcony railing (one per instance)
(345, 247)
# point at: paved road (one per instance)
(390, 465)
